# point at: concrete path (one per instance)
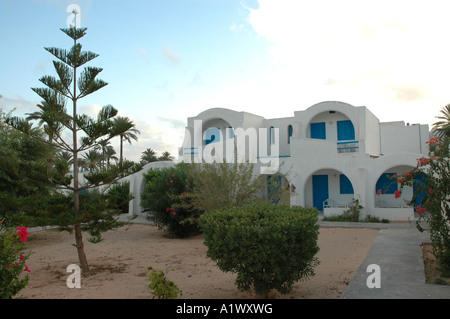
(397, 251)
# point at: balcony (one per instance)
(348, 146)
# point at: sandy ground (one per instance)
(119, 265)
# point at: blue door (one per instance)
(318, 130)
(345, 130)
(320, 190)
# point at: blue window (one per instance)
(387, 183)
(345, 130)
(318, 130)
(212, 135)
(290, 131)
(272, 135)
(345, 185)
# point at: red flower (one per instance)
(173, 213)
(26, 268)
(181, 194)
(172, 209)
(400, 181)
(420, 209)
(23, 233)
(397, 194)
(430, 190)
(379, 192)
(171, 181)
(9, 266)
(21, 257)
(173, 175)
(167, 209)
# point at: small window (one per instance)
(387, 183)
(290, 131)
(272, 135)
(345, 185)
(212, 135)
(318, 130)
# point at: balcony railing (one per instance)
(348, 146)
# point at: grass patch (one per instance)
(434, 273)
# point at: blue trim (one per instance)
(348, 142)
(190, 148)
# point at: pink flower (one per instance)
(379, 192)
(167, 209)
(23, 233)
(173, 213)
(397, 194)
(173, 175)
(172, 209)
(181, 194)
(171, 181)
(26, 268)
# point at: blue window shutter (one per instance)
(345, 130)
(318, 130)
(345, 185)
(387, 183)
(212, 135)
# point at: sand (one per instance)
(119, 265)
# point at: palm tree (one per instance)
(125, 129)
(165, 157)
(148, 156)
(443, 127)
(92, 160)
(109, 154)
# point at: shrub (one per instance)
(162, 288)
(167, 199)
(119, 196)
(268, 246)
(12, 261)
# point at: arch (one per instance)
(386, 186)
(330, 187)
(348, 111)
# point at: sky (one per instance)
(167, 60)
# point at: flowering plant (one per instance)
(12, 261)
(166, 197)
(431, 198)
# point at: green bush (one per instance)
(268, 246)
(161, 286)
(167, 199)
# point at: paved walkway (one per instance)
(397, 251)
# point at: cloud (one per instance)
(142, 53)
(174, 123)
(171, 57)
(381, 54)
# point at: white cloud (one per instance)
(385, 55)
(172, 58)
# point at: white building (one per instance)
(330, 153)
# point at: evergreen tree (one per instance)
(71, 84)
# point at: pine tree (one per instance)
(88, 133)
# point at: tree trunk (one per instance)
(80, 249)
